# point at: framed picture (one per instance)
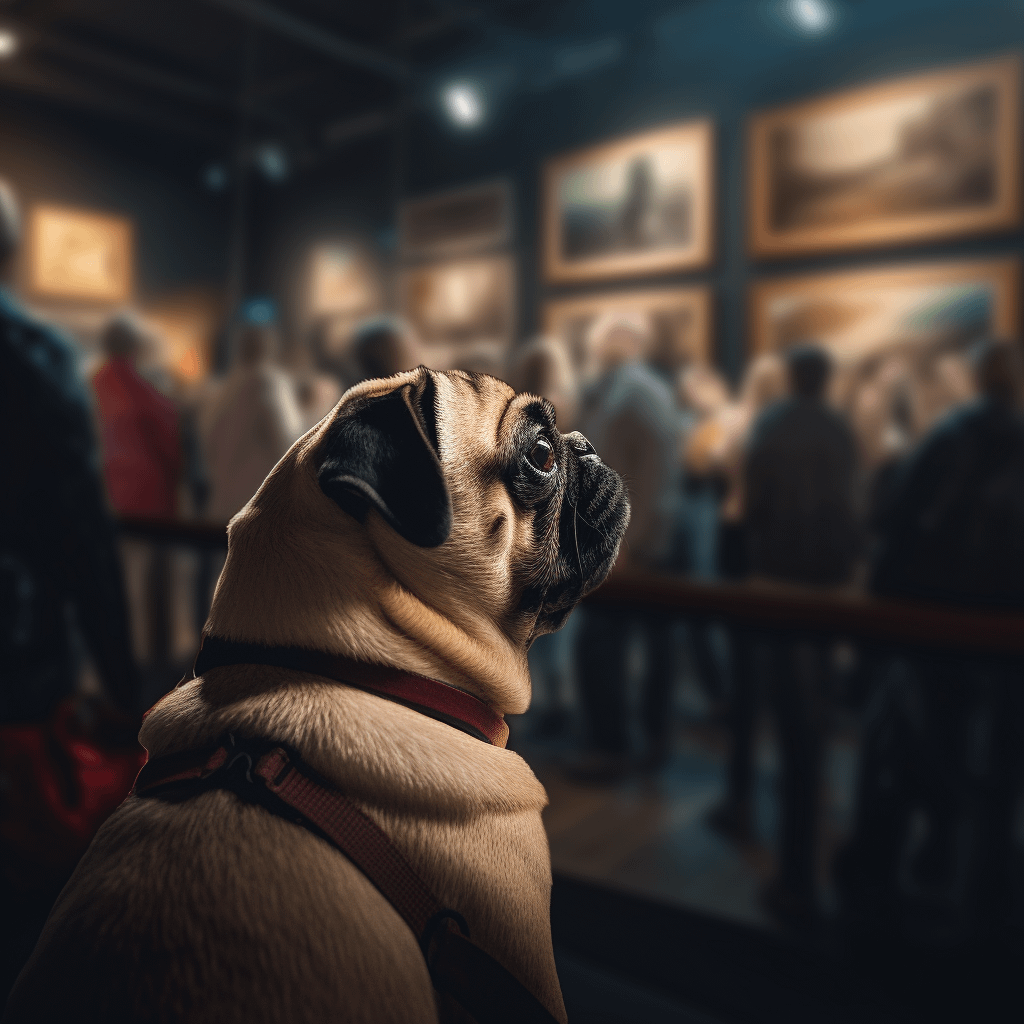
(76, 254)
(461, 302)
(342, 281)
(913, 158)
(640, 205)
(680, 321)
(458, 221)
(899, 336)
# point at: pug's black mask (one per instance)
(581, 511)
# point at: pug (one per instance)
(434, 522)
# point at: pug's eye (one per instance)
(542, 455)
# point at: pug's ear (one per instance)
(384, 455)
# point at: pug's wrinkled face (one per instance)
(498, 514)
(579, 511)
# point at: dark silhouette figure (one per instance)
(940, 765)
(800, 479)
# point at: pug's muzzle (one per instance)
(592, 515)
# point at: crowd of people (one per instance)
(765, 481)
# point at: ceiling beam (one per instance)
(76, 93)
(271, 17)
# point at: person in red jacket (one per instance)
(142, 463)
(142, 458)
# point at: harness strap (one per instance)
(275, 778)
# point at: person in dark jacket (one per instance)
(800, 483)
(59, 570)
(58, 555)
(942, 737)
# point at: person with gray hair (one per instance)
(630, 417)
(250, 421)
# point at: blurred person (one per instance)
(716, 454)
(632, 419)
(251, 420)
(542, 367)
(490, 357)
(716, 450)
(802, 524)
(140, 435)
(142, 460)
(60, 581)
(942, 739)
(383, 346)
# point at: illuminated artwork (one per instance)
(636, 206)
(74, 254)
(460, 302)
(899, 336)
(680, 320)
(341, 281)
(936, 154)
(186, 323)
(474, 218)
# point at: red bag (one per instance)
(59, 781)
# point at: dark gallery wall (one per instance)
(592, 71)
(67, 158)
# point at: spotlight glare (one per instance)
(811, 16)
(8, 43)
(272, 161)
(464, 104)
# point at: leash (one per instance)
(429, 697)
(270, 775)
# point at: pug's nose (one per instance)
(581, 446)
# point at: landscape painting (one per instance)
(928, 156)
(636, 206)
(467, 219)
(900, 336)
(679, 320)
(461, 302)
(78, 254)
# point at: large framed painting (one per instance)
(461, 302)
(78, 254)
(899, 336)
(457, 221)
(913, 158)
(679, 319)
(640, 205)
(343, 281)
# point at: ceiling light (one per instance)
(464, 104)
(811, 16)
(215, 177)
(272, 161)
(8, 43)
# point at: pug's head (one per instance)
(434, 521)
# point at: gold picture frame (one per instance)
(638, 205)
(681, 321)
(461, 302)
(926, 156)
(900, 336)
(472, 218)
(79, 255)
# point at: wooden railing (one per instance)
(758, 605)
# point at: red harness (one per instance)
(269, 774)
